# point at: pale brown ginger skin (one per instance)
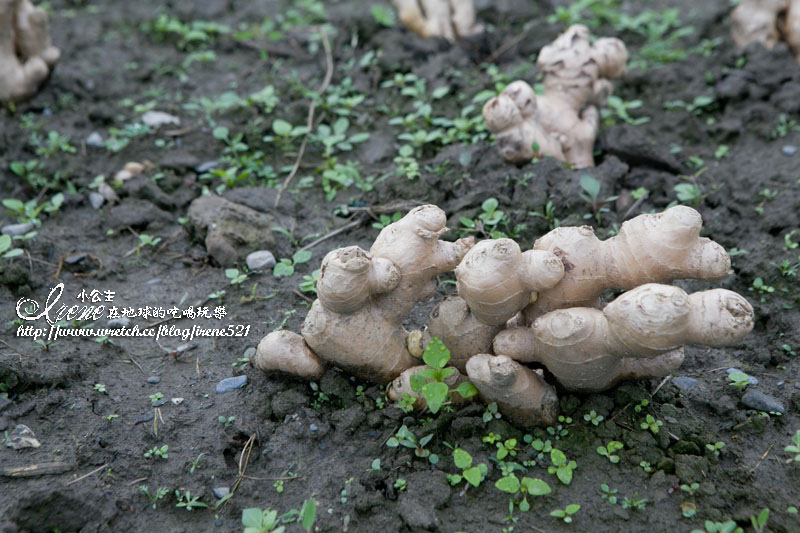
(521, 394)
(496, 278)
(652, 248)
(563, 122)
(285, 351)
(451, 19)
(364, 297)
(26, 52)
(585, 348)
(767, 22)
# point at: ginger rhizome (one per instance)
(451, 19)
(541, 307)
(364, 297)
(27, 54)
(564, 121)
(767, 22)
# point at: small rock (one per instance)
(684, 383)
(229, 384)
(220, 492)
(159, 403)
(205, 166)
(96, 200)
(130, 170)
(762, 402)
(789, 150)
(107, 192)
(153, 380)
(262, 259)
(22, 437)
(177, 401)
(145, 418)
(95, 140)
(156, 119)
(121, 322)
(797, 385)
(3, 423)
(14, 230)
(313, 427)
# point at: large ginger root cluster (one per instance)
(451, 19)
(515, 308)
(767, 22)
(27, 55)
(563, 122)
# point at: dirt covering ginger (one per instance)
(564, 121)
(767, 22)
(27, 56)
(451, 19)
(364, 297)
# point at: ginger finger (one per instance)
(522, 395)
(451, 19)
(584, 348)
(284, 351)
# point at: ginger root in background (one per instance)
(540, 306)
(451, 19)
(767, 22)
(563, 122)
(27, 55)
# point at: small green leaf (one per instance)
(535, 487)
(590, 185)
(473, 476)
(467, 390)
(436, 354)
(435, 395)
(301, 257)
(440, 92)
(509, 484)
(252, 517)
(281, 127)
(309, 514)
(220, 132)
(14, 204)
(393, 442)
(572, 508)
(417, 382)
(557, 457)
(282, 269)
(462, 459)
(564, 475)
(5, 243)
(490, 205)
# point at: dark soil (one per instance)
(321, 441)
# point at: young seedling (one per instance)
(635, 504)
(407, 439)
(146, 240)
(740, 380)
(507, 448)
(195, 464)
(728, 526)
(473, 475)
(189, 502)
(652, 424)
(715, 448)
(157, 452)
(278, 486)
(236, 277)
(491, 413)
(609, 449)
(309, 283)
(400, 484)
(794, 448)
(561, 467)
(527, 486)
(6, 251)
(99, 387)
(160, 493)
(566, 513)
(255, 520)
(226, 421)
(593, 417)
(559, 430)
(432, 384)
(646, 466)
(285, 267)
(154, 398)
(690, 489)
(609, 494)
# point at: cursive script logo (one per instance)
(28, 309)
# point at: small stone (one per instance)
(22, 437)
(797, 385)
(14, 230)
(781, 383)
(159, 403)
(156, 119)
(153, 380)
(3, 423)
(220, 492)
(121, 322)
(260, 260)
(313, 427)
(229, 384)
(205, 166)
(95, 140)
(154, 281)
(789, 150)
(684, 383)
(762, 402)
(96, 200)
(177, 401)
